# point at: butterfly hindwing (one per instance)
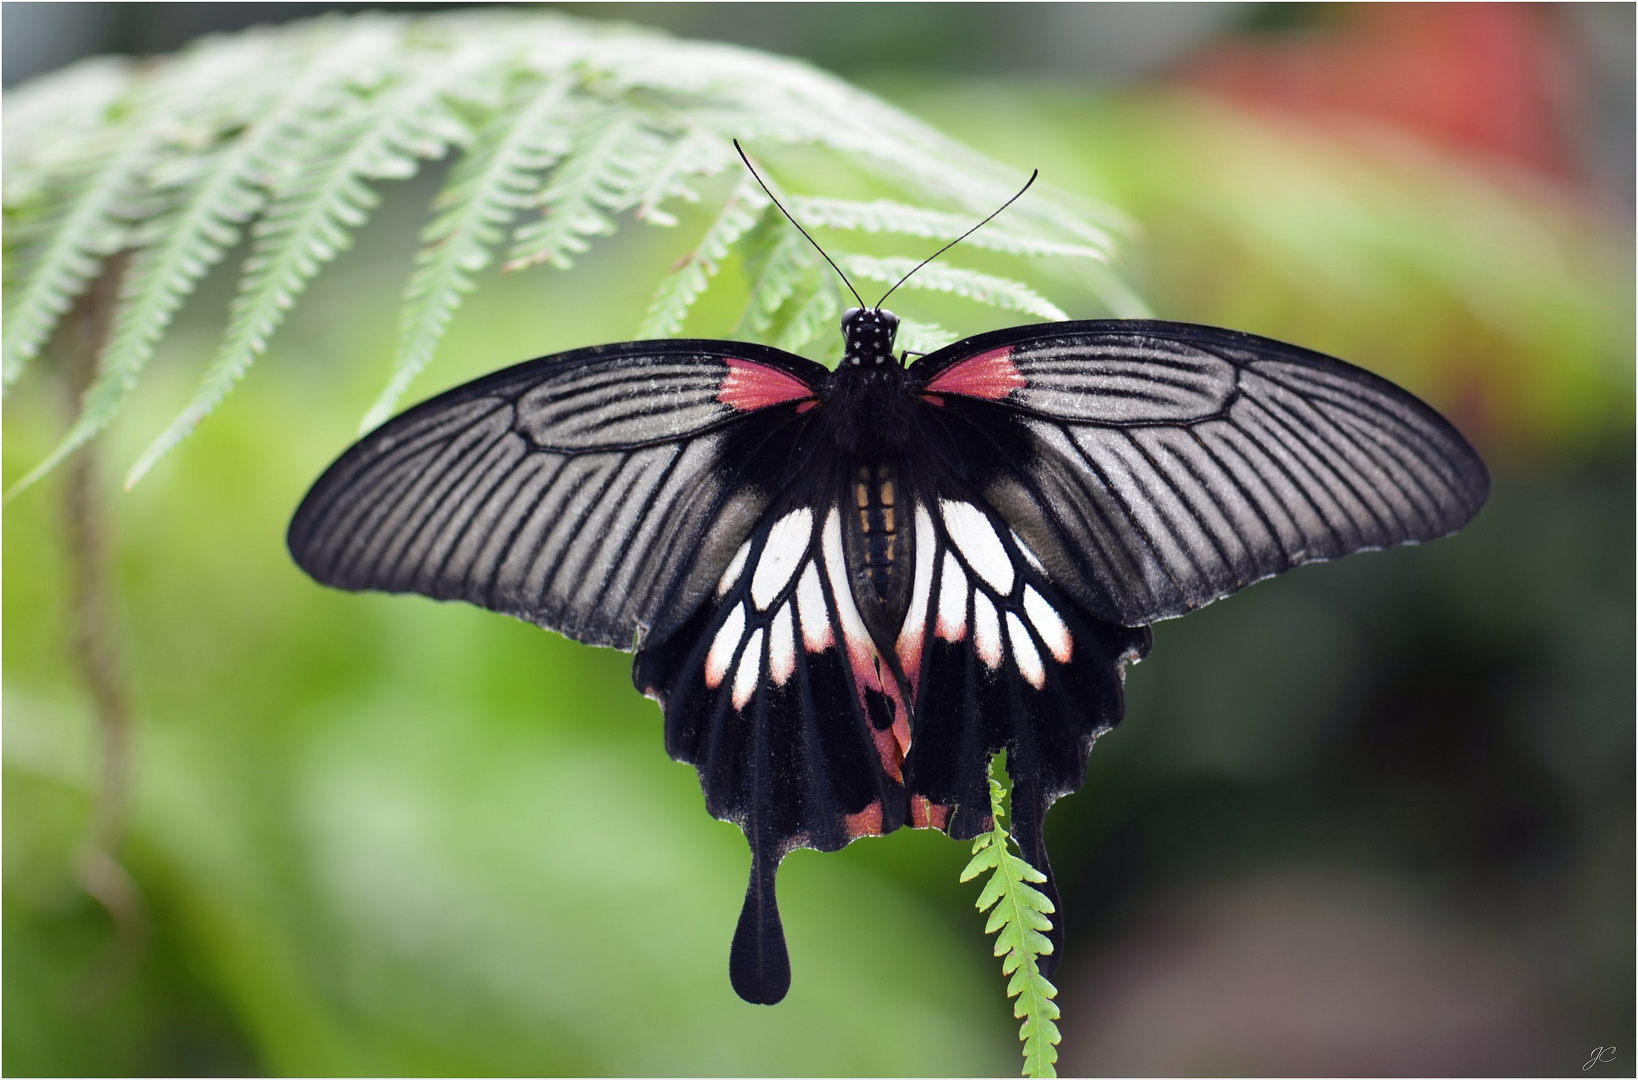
(1155, 467)
(1119, 473)
(597, 493)
(998, 658)
(771, 691)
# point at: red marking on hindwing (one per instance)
(867, 822)
(926, 814)
(909, 650)
(893, 741)
(887, 748)
(991, 375)
(749, 386)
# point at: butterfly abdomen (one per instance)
(878, 542)
(874, 498)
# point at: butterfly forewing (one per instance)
(1155, 467)
(595, 493)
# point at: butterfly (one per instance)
(848, 589)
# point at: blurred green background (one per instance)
(1369, 818)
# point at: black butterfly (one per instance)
(848, 589)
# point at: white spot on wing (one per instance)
(735, 568)
(952, 601)
(810, 608)
(986, 631)
(980, 546)
(1048, 625)
(787, 543)
(915, 622)
(750, 667)
(1029, 555)
(782, 645)
(723, 646)
(859, 649)
(1023, 651)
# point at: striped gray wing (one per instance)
(594, 493)
(1165, 465)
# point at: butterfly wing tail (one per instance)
(759, 965)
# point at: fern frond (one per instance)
(98, 217)
(49, 119)
(958, 281)
(924, 337)
(698, 152)
(386, 134)
(1019, 921)
(811, 313)
(70, 242)
(602, 176)
(485, 191)
(685, 284)
(886, 216)
(283, 132)
(229, 187)
(777, 259)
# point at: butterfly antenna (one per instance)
(960, 238)
(804, 232)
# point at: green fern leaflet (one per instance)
(1019, 920)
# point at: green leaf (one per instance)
(924, 337)
(812, 313)
(886, 216)
(601, 176)
(958, 281)
(285, 132)
(228, 187)
(384, 134)
(89, 222)
(685, 284)
(485, 191)
(777, 258)
(698, 152)
(1020, 914)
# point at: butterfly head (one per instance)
(868, 334)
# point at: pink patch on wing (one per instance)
(749, 386)
(926, 814)
(893, 741)
(991, 375)
(867, 822)
(887, 748)
(909, 650)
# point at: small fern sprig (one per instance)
(1021, 916)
